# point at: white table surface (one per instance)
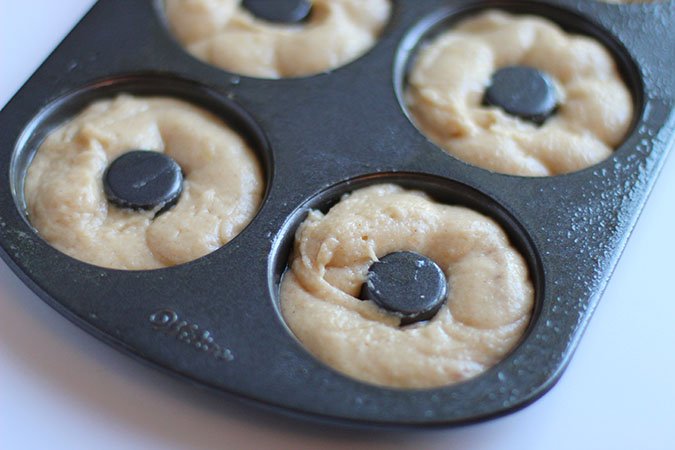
(62, 389)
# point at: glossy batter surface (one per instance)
(488, 307)
(450, 75)
(223, 184)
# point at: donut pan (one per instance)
(216, 322)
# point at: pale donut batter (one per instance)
(222, 189)
(451, 73)
(223, 33)
(488, 308)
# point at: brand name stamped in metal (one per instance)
(167, 321)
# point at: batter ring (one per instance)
(449, 77)
(488, 307)
(224, 34)
(66, 203)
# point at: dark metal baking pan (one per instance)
(215, 321)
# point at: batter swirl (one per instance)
(222, 189)
(451, 73)
(488, 307)
(223, 33)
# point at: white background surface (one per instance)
(62, 389)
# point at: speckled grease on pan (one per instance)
(633, 1)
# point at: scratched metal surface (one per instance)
(215, 321)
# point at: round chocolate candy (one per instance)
(523, 92)
(142, 179)
(280, 11)
(407, 284)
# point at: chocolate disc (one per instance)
(407, 284)
(142, 179)
(280, 11)
(523, 92)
